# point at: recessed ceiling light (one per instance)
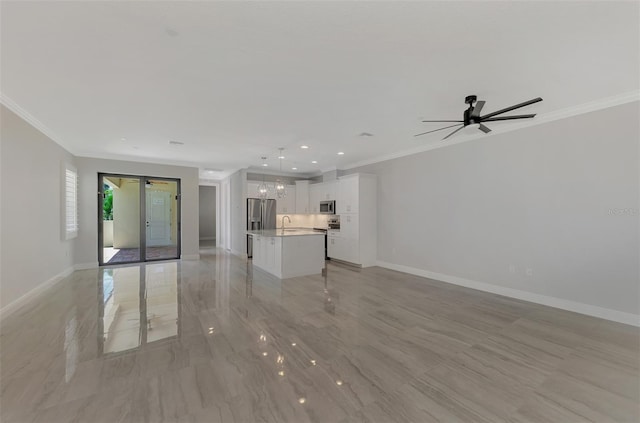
(123, 139)
(304, 146)
(340, 153)
(264, 164)
(281, 157)
(314, 161)
(294, 168)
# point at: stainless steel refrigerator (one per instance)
(261, 214)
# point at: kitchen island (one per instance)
(288, 253)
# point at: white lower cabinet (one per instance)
(289, 256)
(345, 249)
(266, 253)
(335, 247)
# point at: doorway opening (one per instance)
(138, 218)
(208, 216)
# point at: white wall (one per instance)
(560, 198)
(88, 168)
(207, 212)
(31, 247)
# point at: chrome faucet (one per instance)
(288, 218)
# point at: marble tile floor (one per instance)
(216, 341)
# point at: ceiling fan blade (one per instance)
(428, 132)
(508, 109)
(443, 121)
(477, 109)
(508, 118)
(484, 129)
(452, 133)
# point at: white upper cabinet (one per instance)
(329, 192)
(348, 197)
(302, 197)
(287, 204)
(315, 195)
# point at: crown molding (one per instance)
(592, 106)
(29, 118)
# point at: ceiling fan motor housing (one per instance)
(467, 118)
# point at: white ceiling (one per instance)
(235, 81)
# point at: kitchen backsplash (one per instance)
(303, 220)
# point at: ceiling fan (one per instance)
(472, 116)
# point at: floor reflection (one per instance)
(331, 297)
(139, 305)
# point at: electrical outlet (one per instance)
(512, 268)
(529, 271)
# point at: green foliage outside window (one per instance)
(107, 204)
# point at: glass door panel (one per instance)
(120, 213)
(161, 219)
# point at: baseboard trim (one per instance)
(208, 238)
(588, 309)
(85, 266)
(34, 293)
(190, 257)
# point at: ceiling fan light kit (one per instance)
(471, 116)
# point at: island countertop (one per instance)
(285, 232)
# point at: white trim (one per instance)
(15, 108)
(190, 257)
(588, 309)
(85, 266)
(34, 293)
(591, 106)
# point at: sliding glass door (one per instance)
(138, 218)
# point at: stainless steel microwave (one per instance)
(328, 207)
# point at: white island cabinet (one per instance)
(289, 253)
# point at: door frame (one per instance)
(142, 218)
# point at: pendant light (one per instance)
(281, 192)
(263, 190)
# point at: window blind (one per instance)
(71, 203)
